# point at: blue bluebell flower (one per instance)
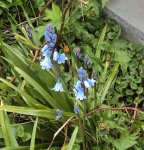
(77, 52)
(89, 82)
(50, 35)
(51, 45)
(78, 85)
(79, 94)
(76, 109)
(55, 56)
(81, 72)
(59, 114)
(46, 64)
(58, 87)
(62, 58)
(79, 91)
(46, 51)
(86, 60)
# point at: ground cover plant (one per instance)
(68, 79)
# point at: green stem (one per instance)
(83, 132)
(95, 95)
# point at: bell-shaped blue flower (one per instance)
(46, 63)
(76, 109)
(58, 87)
(46, 51)
(79, 91)
(62, 58)
(59, 114)
(81, 72)
(51, 45)
(79, 94)
(89, 82)
(55, 56)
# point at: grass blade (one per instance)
(101, 40)
(32, 145)
(73, 138)
(46, 113)
(7, 131)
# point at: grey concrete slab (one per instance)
(130, 14)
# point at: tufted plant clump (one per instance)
(72, 81)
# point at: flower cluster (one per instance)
(81, 84)
(50, 36)
(51, 54)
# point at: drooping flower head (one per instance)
(58, 87)
(79, 91)
(77, 52)
(46, 51)
(60, 58)
(81, 72)
(59, 114)
(55, 55)
(89, 82)
(46, 64)
(76, 109)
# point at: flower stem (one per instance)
(94, 95)
(83, 132)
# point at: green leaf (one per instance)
(54, 15)
(104, 3)
(20, 131)
(126, 141)
(38, 87)
(139, 90)
(46, 113)
(2, 4)
(133, 86)
(109, 82)
(10, 1)
(129, 92)
(122, 57)
(73, 138)
(40, 31)
(100, 42)
(30, 101)
(8, 134)
(32, 145)
(26, 137)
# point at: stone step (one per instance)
(130, 15)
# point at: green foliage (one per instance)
(54, 15)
